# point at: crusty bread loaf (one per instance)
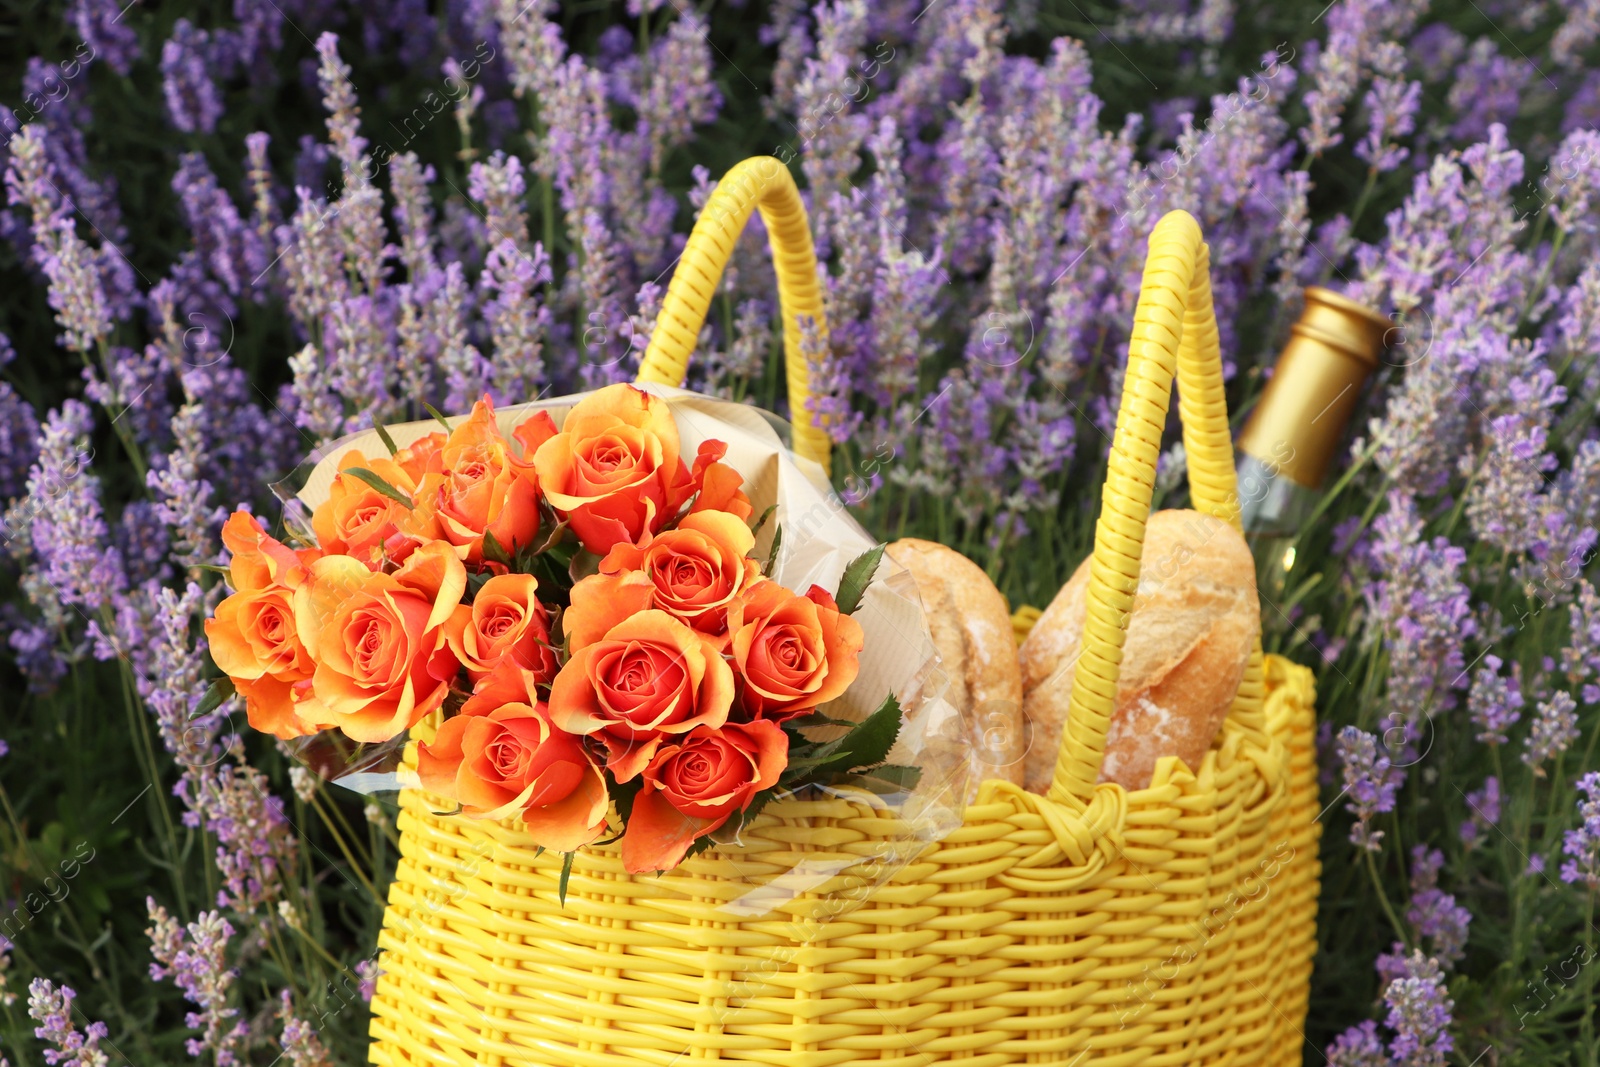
(1195, 620)
(977, 650)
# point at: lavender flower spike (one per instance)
(193, 103)
(1555, 728)
(69, 532)
(1583, 844)
(1419, 1014)
(1494, 701)
(300, 1043)
(51, 1007)
(194, 959)
(1369, 781)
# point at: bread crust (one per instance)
(1195, 621)
(971, 627)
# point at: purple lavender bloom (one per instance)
(1483, 812)
(172, 677)
(518, 323)
(1555, 728)
(69, 532)
(19, 434)
(143, 538)
(1582, 110)
(1369, 781)
(194, 958)
(533, 44)
(256, 849)
(466, 372)
(413, 214)
(37, 648)
(1433, 912)
(368, 971)
(1505, 502)
(50, 1006)
(339, 97)
(232, 250)
(1573, 184)
(76, 292)
(604, 337)
(312, 259)
(299, 1041)
(1419, 1014)
(1580, 659)
(1392, 105)
(1421, 609)
(828, 407)
(1435, 50)
(1583, 844)
(499, 186)
(1359, 1046)
(193, 102)
(1495, 701)
(100, 25)
(679, 93)
(1487, 89)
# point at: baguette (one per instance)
(972, 631)
(1194, 623)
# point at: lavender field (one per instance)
(236, 232)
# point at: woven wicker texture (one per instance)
(1173, 925)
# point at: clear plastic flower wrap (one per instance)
(815, 540)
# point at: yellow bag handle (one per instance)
(759, 182)
(1174, 333)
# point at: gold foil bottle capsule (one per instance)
(1297, 426)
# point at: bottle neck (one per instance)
(1299, 421)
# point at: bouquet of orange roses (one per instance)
(582, 606)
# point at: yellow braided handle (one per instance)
(1174, 333)
(759, 182)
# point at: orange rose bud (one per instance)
(650, 677)
(696, 569)
(260, 560)
(718, 487)
(252, 635)
(506, 624)
(478, 486)
(378, 640)
(421, 456)
(534, 431)
(357, 520)
(694, 786)
(614, 470)
(793, 653)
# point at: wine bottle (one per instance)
(1297, 425)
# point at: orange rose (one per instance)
(474, 484)
(694, 786)
(506, 624)
(614, 469)
(794, 653)
(649, 677)
(382, 660)
(358, 520)
(252, 635)
(512, 759)
(696, 569)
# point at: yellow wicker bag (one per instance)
(1173, 925)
